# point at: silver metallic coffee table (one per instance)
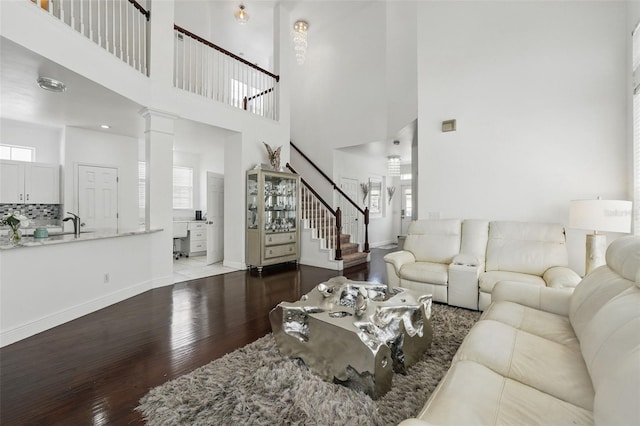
(355, 333)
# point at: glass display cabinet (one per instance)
(272, 218)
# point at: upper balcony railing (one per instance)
(118, 26)
(206, 69)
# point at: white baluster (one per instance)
(50, 7)
(82, 18)
(135, 17)
(73, 15)
(144, 46)
(121, 30)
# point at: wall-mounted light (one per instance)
(241, 15)
(300, 29)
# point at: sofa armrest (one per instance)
(561, 277)
(394, 262)
(553, 300)
(467, 260)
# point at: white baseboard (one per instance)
(235, 265)
(53, 320)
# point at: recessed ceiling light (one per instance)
(105, 126)
(51, 84)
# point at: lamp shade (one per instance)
(601, 215)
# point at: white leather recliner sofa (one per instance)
(525, 252)
(540, 355)
(461, 262)
(429, 249)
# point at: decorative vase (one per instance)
(15, 235)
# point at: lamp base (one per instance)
(596, 249)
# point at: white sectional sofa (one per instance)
(532, 253)
(460, 262)
(545, 356)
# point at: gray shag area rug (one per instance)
(256, 385)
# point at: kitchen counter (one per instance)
(68, 237)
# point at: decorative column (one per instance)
(159, 135)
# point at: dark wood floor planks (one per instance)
(93, 370)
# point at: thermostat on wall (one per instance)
(449, 126)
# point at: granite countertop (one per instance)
(67, 237)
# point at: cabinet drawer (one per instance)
(275, 239)
(278, 251)
(198, 246)
(197, 226)
(198, 235)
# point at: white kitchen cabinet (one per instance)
(29, 183)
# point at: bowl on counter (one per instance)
(41, 233)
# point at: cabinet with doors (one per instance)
(272, 207)
(29, 183)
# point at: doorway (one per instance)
(350, 223)
(406, 208)
(98, 197)
(215, 218)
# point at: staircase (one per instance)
(319, 237)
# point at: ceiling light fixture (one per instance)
(241, 15)
(105, 126)
(51, 84)
(393, 165)
(300, 40)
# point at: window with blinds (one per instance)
(636, 130)
(182, 187)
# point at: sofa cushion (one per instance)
(556, 328)
(488, 280)
(472, 394)
(545, 365)
(427, 272)
(530, 248)
(435, 241)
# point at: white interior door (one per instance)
(350, 223)
(407, 208)
(98, 197)
(215, 218)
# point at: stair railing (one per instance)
(364, 212)
(208, 70)
(118, 26)
(318, 213)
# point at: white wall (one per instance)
(46, 140)
(340, 91)
(539, 93)
(43, 287)
(97, 148)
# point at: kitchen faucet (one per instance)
(76, 223)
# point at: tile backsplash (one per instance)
(40, 214)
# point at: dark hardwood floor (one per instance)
(93, 370)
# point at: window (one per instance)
(182, 188)
(238, 92)
(375, 196)
(17, 153)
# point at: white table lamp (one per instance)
(599, 216)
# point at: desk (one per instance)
(191, 235)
